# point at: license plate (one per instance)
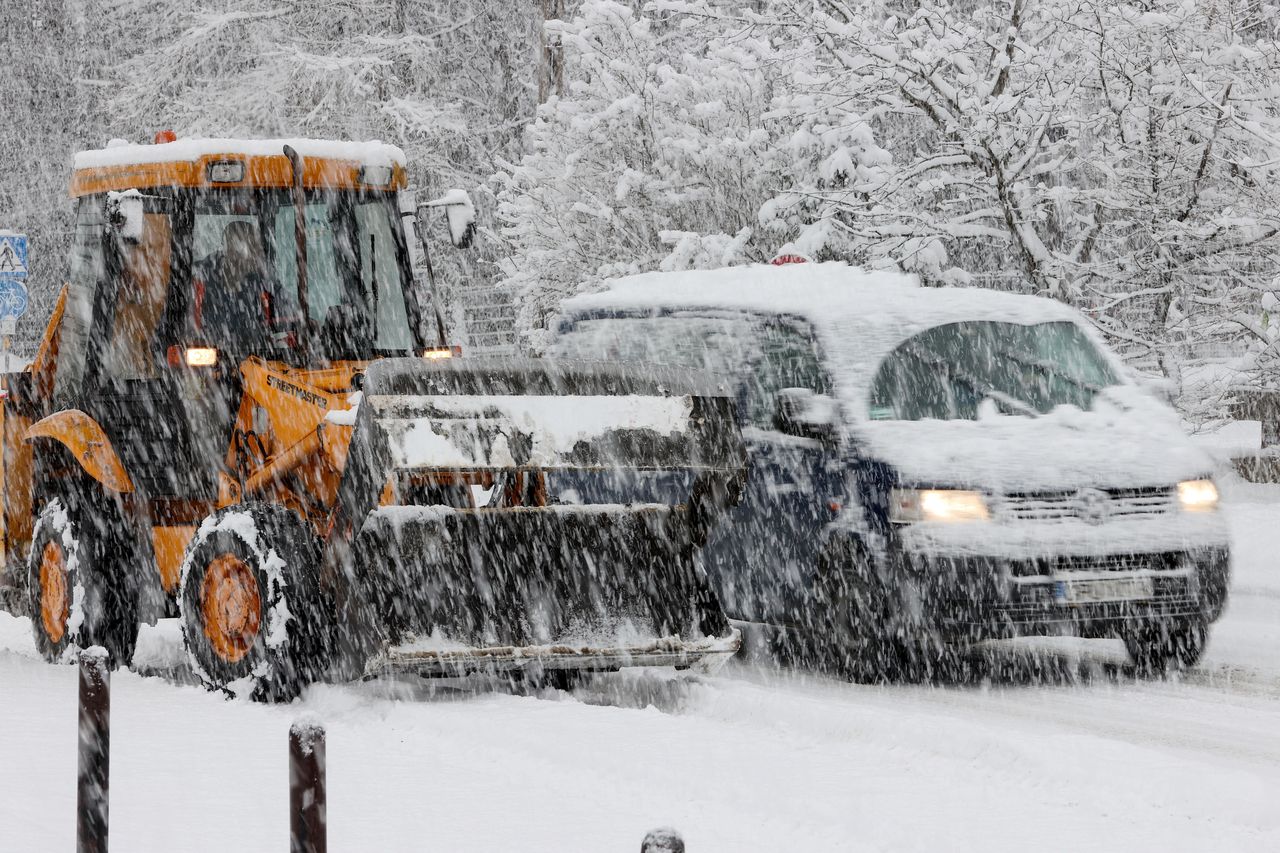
(1108, 589)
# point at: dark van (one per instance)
(930, 467)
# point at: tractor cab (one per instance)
(238, 247)
(192, 256)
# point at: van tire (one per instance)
(856, 640)
(1159, 647)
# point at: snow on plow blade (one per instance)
(533, 515)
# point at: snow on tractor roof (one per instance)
(204, 163)
(859, 315)
(193, 150)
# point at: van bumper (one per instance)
(974, 597)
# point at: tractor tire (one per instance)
(254, 620)
(80, 591)
(1158, 648)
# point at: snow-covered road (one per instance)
(1073, 754)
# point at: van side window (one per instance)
(788, 358)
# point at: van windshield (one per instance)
(949, 372)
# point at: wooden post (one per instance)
(95, 752)
(307, 832)
(665, 840)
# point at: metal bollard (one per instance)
(307, 833)
(92, 785)
(664, 840)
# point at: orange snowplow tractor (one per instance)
(231, 605)
(90, 446)
(55, 597)
(259, 171)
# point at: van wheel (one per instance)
(254, 620)
(1159, 647)
(79, 586)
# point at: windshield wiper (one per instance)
(1050, 367)
(989, 392)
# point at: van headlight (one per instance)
(1198, 495)
(947, 505)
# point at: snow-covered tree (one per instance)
(1183, 148)
(675, 129)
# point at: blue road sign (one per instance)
(13, 255)
(13, 274)
(13, 297)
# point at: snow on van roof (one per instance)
(860, 315)
(831, 290)
(369, 153)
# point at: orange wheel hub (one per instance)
(55, 600)
(231, 604)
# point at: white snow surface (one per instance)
(367, 153)
(1065, 754)
(1048, 753)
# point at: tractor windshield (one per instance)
(219, 268)
(245, 273)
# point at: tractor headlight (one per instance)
(947, 505)
(1198, 495)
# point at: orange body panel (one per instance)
(170, 544)
(87, 443)
(259, 171)
(45, 364)
(15, 481)
(298, 443)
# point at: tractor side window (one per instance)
(140, 300)
(88, 270)
(788, 359)
(380, 273)
(324, 282)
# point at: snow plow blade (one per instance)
(706, 655)
(523, 515)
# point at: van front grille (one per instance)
(1095, 505)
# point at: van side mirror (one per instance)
(806, 414)
(461, 214)
(126, 214)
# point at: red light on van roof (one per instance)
(783, 260)
(163, 136)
